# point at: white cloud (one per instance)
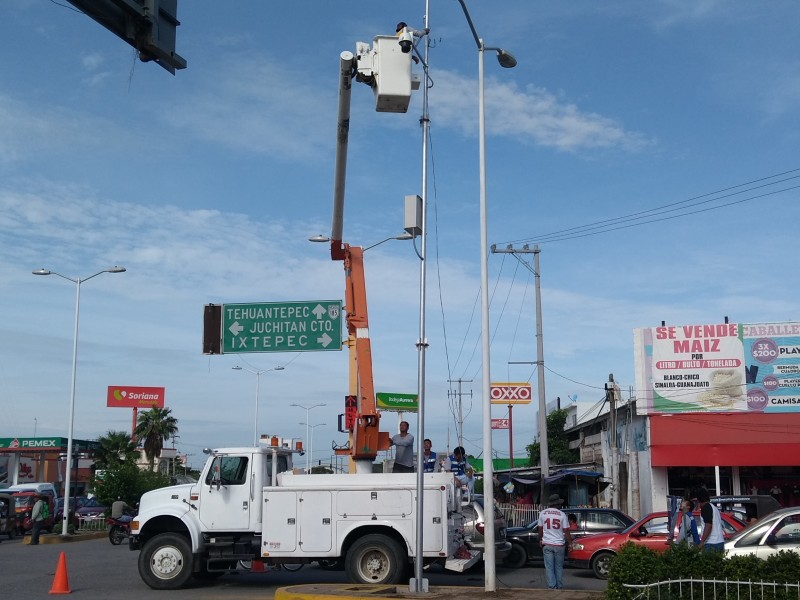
(259, 106)
(531, 115)
(35, 131)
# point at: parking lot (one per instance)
(97, 571)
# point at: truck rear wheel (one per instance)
(165, 562)
(375, 558)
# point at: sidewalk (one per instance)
(387, 592)
(54, 538)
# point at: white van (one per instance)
(39, 487)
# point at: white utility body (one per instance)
(250, 506)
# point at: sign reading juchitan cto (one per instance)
(724, 367)
(135, 397)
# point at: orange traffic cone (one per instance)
(61, 581)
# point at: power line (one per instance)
(644, 217)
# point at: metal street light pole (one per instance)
(506, 60)
(310, 458)
(68, 476)
(307, 409)
(258, 373)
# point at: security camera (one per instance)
(406, 40)
(406, 35)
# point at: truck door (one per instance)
(225, 495)
(316, 528)
(435, 523)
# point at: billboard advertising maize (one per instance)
(724, 367)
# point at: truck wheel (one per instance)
(375, 558)
(601, 563)
(517, 558)
(165, 562)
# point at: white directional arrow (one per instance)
(319, 311)
(236, 329)
(325, 340)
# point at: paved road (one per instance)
(97, 571)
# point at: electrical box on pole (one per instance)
(148, 25)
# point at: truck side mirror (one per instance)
(216, 478)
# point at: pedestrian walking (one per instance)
(687, 527)
(40, 512)
(711, 537)
(554, 538)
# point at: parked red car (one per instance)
(597, 551)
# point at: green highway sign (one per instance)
(397, 402)
(282, 326)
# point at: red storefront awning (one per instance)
(739, 439)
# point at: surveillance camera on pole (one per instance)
(386, 68)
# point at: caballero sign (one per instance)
(128, 396)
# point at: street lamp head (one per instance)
(506, 59)
(116, 269)
(237, 368)
(42, 272)
(319, 238)
(278, 368)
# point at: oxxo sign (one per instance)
(510, 393)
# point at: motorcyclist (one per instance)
(121, 511)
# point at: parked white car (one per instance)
(777, 531)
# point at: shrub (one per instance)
(637, 564)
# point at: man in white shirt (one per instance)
(554, 537)
(711, 538)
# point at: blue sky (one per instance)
(206, 186)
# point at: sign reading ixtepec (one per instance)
(282, 326)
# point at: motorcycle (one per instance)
(120, 529)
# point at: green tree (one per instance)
(558, 450)
(155, 427)
(126, 481)
(116, 448)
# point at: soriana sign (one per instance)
(511, 393)
(135, 397)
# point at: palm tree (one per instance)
(116, 448)
(155, 426)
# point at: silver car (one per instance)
(474, 529)
(777, 531)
